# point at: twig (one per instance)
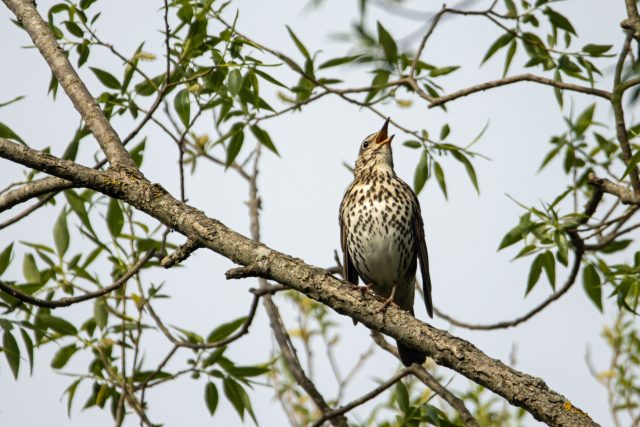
(618, 112)
(183, 252)
(428, 380)
(364, 398)
(67, 301)
(515, 79)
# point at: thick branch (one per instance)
(67, 301)
(633, 18)
(515, 79)
(624, 193)
(54, 54)
(518, 388)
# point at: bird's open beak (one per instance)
(382, 137)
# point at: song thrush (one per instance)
(382, 233)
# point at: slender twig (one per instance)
(515, 79)
(46, 199)
(67, 301)
(427, 379)
(244, 329)
(578, 250)
(618, 112)
(363, 399)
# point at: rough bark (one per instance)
(519, 389)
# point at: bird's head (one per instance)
(375, 152)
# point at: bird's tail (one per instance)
(409, 356)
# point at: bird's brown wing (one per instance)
(423, 257)
(349, 272)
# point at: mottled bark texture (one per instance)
(39, 31)
(518, 388)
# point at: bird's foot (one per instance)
(389, 300)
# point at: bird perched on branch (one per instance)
(382, 233)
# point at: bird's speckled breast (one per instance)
(380, 240)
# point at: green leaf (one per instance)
(388, 44)
(234, 82)
(422, 172)
(57, 324)
(402, 396)
(549, 264)
(509, 57)
(516, 233)
(247, 371)
(63, 355)
(444, 131)
(77, 206)
(412, 144)
(11, 352)
(211, 397)
(298, 43)
(534, 273)
(223, 331)
(61, 233)
(74, 28)
(500, 42)
(70, 392)
(436, 72)
(100, 312)
(6, 132)
(468, 167)
(633, 162)
(233, 391)
(30, 269)
(264, 138)
(439, 173)
(585, 119)
(28, 343)
(558, 20)
(183, 106)
(338, 61)
(235, 144)
(106, 78)
(596, 49)
(115, 218)
(5, 257)
(592, 285)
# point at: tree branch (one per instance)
(39, 31)
(618, 112)
(427, 379)
(67, 301)
(364, 398)
(515, 79)
(518, 388)
(624, 193)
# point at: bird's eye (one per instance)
(365, 144)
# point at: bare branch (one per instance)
(428, 380)
(618, 112)
(515, 79)
(183, 252)
(579, 248)
(625, 194)
(53, 53)
(67, 301)
(364, 398)
(633, 18)
(27, 211)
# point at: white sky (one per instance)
(471, 281)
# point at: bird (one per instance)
(382, 232)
